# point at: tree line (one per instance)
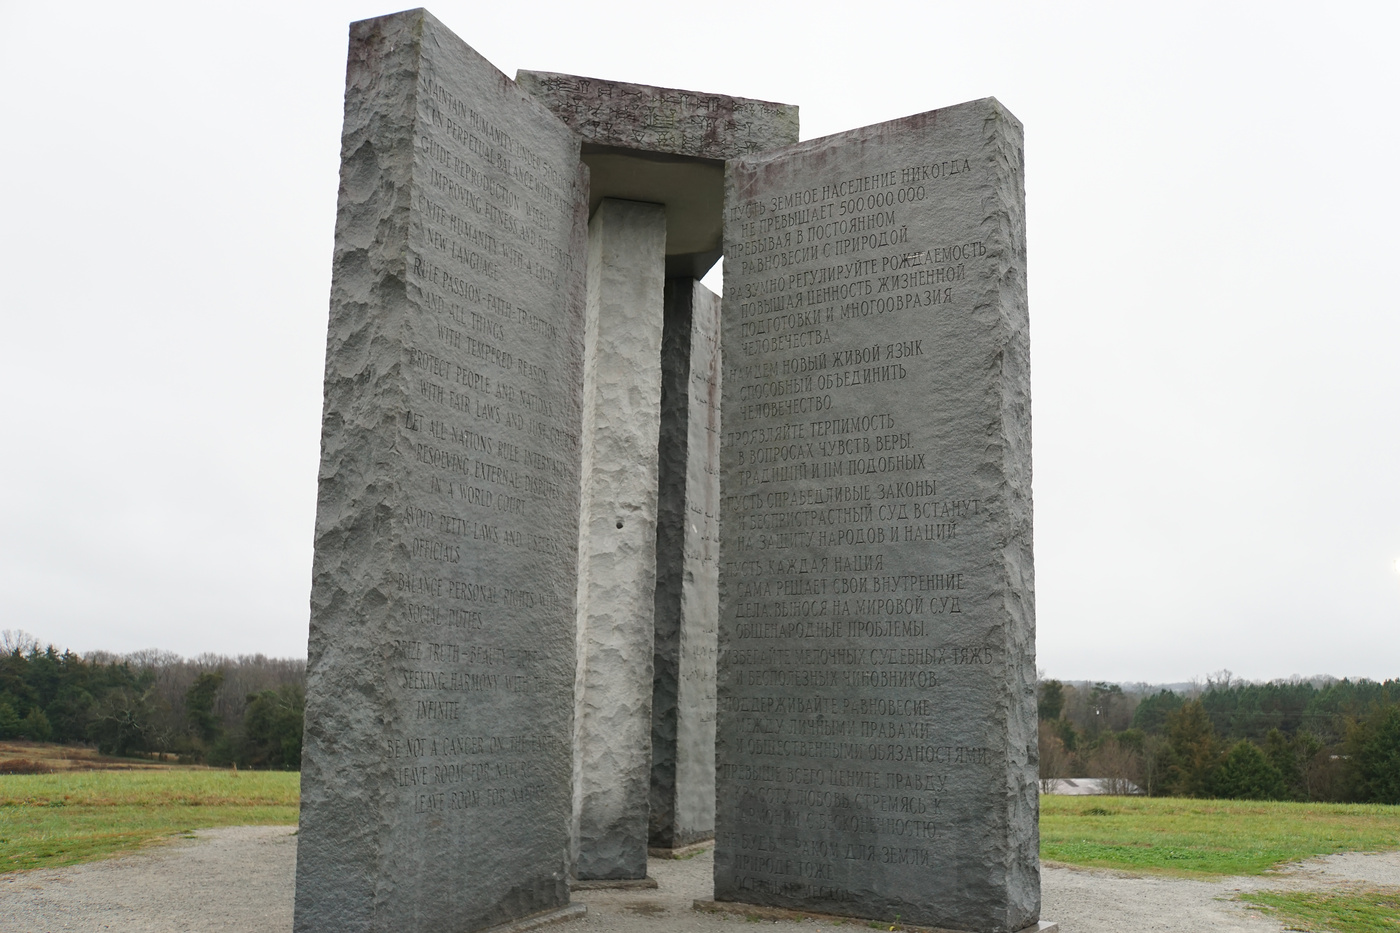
(1321, 739)
(210, 709)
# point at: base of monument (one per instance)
(757, 912)
(620, 884)
(542, 919)
(695, 848)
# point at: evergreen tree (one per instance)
(1283, 755)
(1051, 701)
(9, 721)
(1151, 714)
(1373, 756)
(1069, 736)
(1315, 766)
(1246, 774)
(71, 713)
(272, 728)
(35, 726)
(1191, 752)
(199, 705)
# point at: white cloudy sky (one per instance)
(1216, 343)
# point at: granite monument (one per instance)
(605, 564)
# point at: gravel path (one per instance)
(239, 880)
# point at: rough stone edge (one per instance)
(341, 844)
(781, 913)
(619, 884)
(1004, 144)
(535, 75)
(682, 852)
(532, 81)
(547, 918)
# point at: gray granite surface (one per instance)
(687, 571)
(436, 772)
(662, 119)
(876, 731)
(617, 538)
(664, 146)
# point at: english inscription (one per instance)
(440, 672)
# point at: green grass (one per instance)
(50, 820)
(1207, 838)
(1331, 911)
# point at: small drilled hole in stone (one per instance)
(619, 524)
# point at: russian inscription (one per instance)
(875, 623)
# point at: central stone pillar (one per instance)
(687, 573)
(617, 538)
(665, 147)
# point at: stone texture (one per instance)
(617, 538)
(663, 119)
(664, 146)
(563, 914)
(436, 772)
(755, 912)
(687, 571)
(876, 727)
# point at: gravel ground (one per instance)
(239, 880)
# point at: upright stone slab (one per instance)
(436, 771)
(876, 733)
(617, 538)
(687, 571)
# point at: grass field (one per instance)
(49, 820)
(1329, 911)
(1207, 838)
(83, 811)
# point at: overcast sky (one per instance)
(1212, 205)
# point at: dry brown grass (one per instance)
(17, 757)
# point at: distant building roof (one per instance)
(1083, 787)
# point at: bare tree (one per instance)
(1151, 763)
(1220, 680)
(244, 676)
(1055, 759)
(17, 639)
(1117, 766)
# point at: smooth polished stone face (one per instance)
(436, 778)
(876, 726)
